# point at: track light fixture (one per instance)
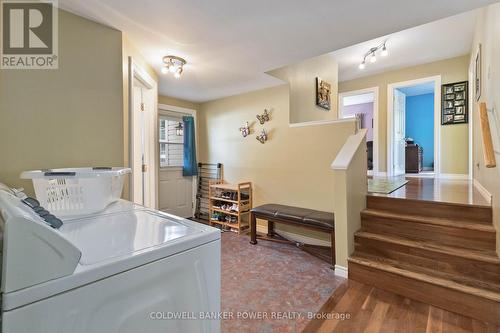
(384, 52)
(372, 54)
(174, 65)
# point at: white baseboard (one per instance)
(341, 271)
(295, 237)
(420, 175)
(457, 176)
(486, 194)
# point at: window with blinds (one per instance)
(171, 144)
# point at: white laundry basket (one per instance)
(77, 191)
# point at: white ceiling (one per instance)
(442, 39)
(229, 44)
(419, 89)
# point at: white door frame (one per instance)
(165, 110)
(472, 100)
(375, 92)
(437, 120)
(135, 71)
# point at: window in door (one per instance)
(171, 142)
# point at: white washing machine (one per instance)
(127, 269)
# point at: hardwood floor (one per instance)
(370, 309)
(440, 190)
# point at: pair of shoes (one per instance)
(228, 207)
(231, 219)
(230, 195)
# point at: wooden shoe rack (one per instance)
(230, 204)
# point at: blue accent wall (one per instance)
(420, 124)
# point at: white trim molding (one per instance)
(321, 122)
(341, 271)
(376, 142)
(484, 192)
(437, 119)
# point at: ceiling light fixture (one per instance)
(372, 54)
(384, 52)
(174, 65)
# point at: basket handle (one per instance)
(59, 173)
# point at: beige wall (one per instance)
(292, 168)
(454, 138)
(350, 199)
(488, 34)
(301, 78)
(178, 102)
(67, 117)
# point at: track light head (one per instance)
(384, 52)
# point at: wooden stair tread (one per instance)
(480, 255)
(430, 220)
(460, 279)
(390, 267)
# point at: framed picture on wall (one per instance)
(454, 104)
(323, 94)
(477, 74)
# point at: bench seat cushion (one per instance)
(295, 214)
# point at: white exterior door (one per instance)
(175, 192)
(399, 133)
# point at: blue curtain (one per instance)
(190, 166)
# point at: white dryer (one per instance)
(127, 269)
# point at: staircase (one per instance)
(435, 252)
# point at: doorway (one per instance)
(413, 127)
(176, 193)
(363, 105)
(143, 119)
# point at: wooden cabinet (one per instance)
(230, 204)
(414, 158)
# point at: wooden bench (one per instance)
(295, 216)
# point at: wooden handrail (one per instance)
(488, 151)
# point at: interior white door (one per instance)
(137, 146)
(175, 192)
(143, 145)
(399, 113)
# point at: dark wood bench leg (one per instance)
(253, 229)
(270, 229)
(333, 248)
